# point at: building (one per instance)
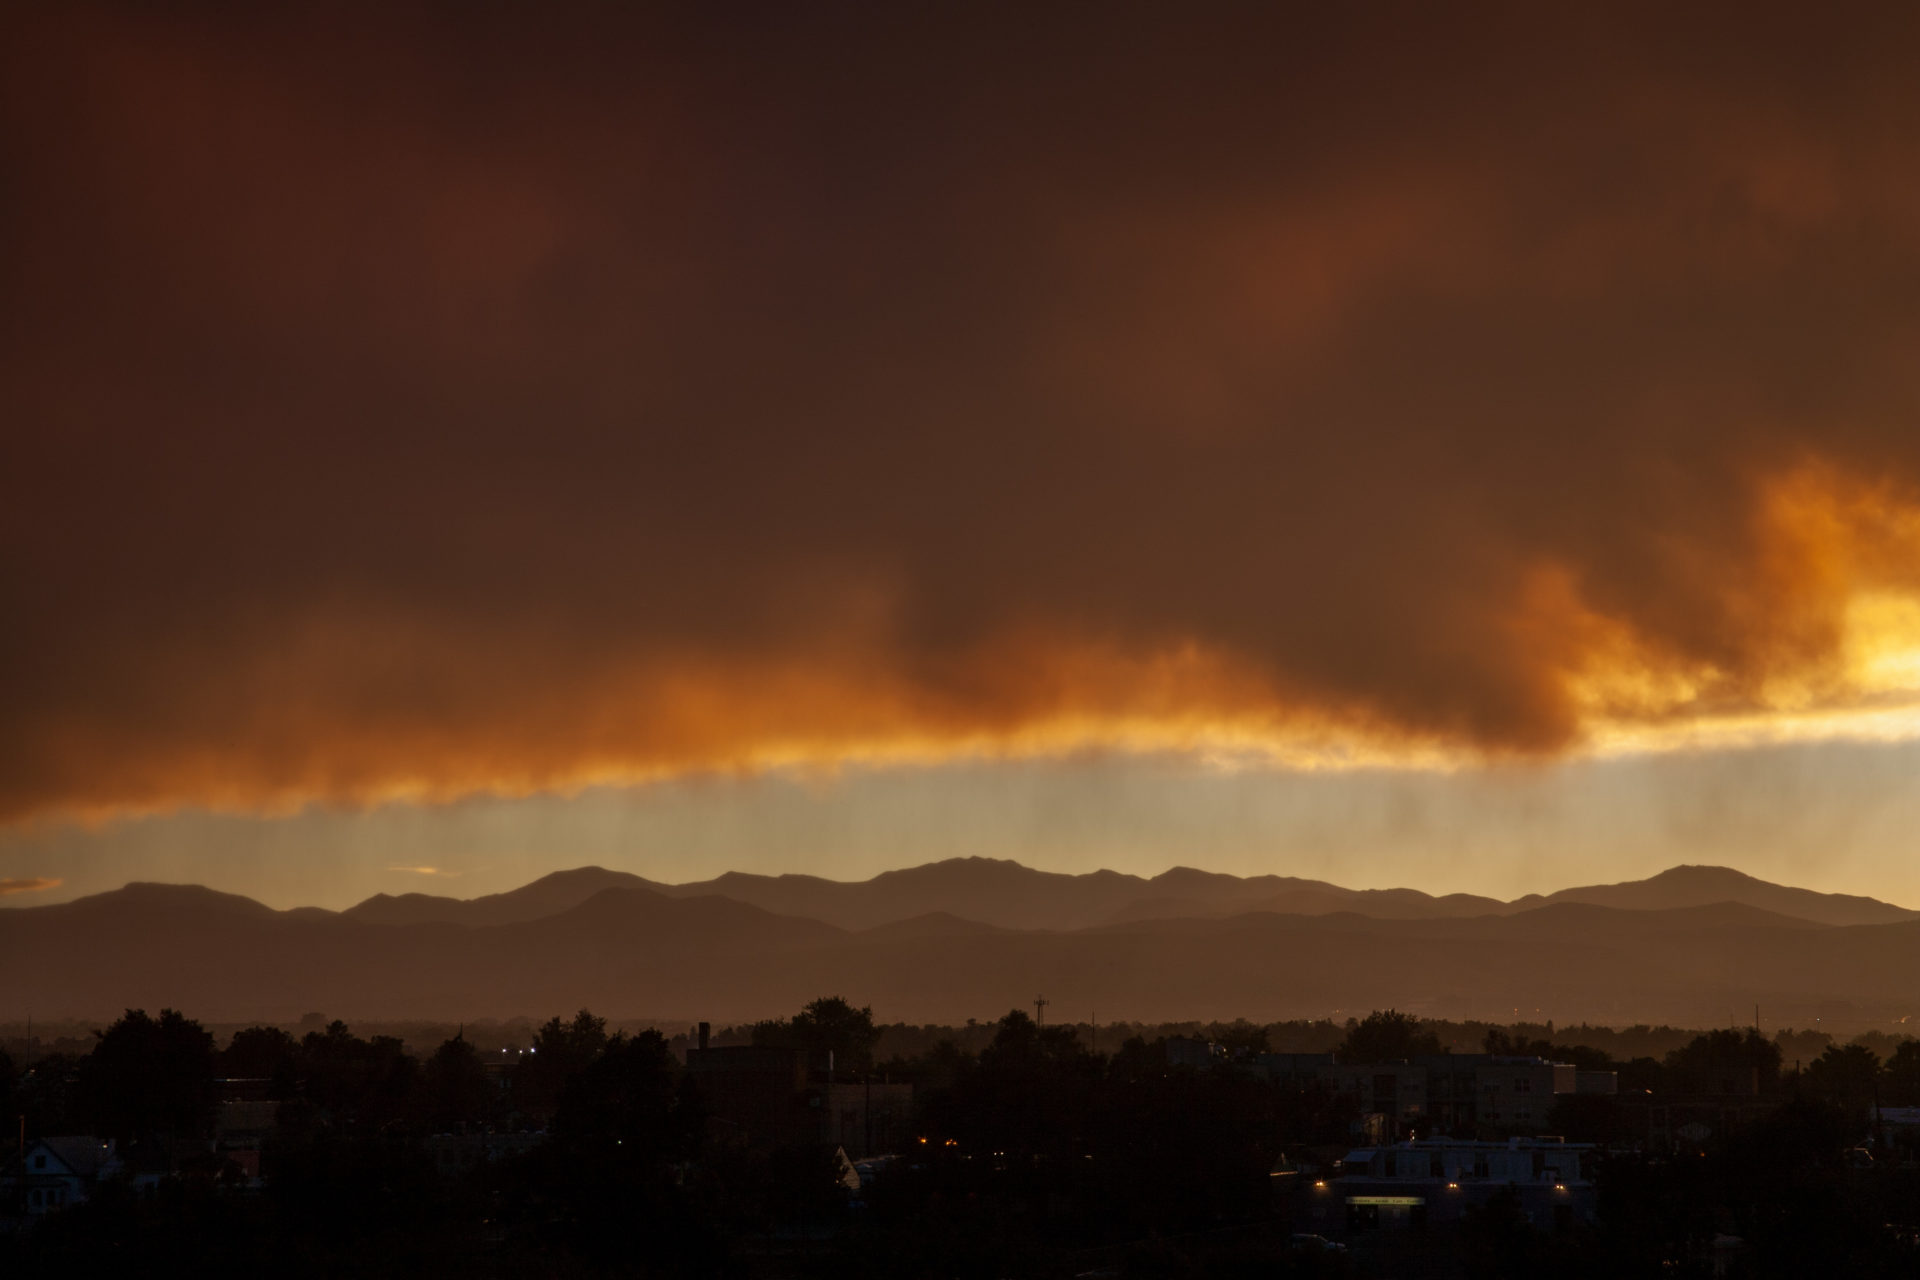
(1453, 1092)
(1517, 1093)
(1418, 1184)
(761, 1097)
(1390, 1096)
(55, 1173)
(1297, 1069)
(867, 1117)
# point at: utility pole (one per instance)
(1040, 1004)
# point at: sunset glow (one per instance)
(649, 415)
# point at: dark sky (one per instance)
(504, 398)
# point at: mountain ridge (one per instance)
(1008, 895)
(626, 951)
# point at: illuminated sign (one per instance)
(1400, 1201)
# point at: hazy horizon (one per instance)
(1832, 817)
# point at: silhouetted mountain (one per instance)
(549, 895)
(639, 952)
(989, 890)
(1690, 886)
(1008, 895)
(1011, 896)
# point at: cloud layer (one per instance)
(409, 407)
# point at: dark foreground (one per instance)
(607, 1155)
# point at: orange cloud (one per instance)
(33, 884)
(389, 427)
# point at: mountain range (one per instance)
(1012, 896)
(972, 938)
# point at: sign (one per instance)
(1401, 1201)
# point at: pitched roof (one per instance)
(83, 1156)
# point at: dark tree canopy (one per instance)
(1725, 1061)
(826, 1025)
(1387, 1036)
(1845, 1075)
(369, 1083)
(458, 1090)
(257, 1052)
(560, 1050)
(149, 1076)
(1239, 1038)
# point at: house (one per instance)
(54, 1173)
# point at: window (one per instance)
(1522, 1084)
(39, 1162)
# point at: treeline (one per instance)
(148, 1077)
(899, 1041)
(905, 1040)
(1034, 1155)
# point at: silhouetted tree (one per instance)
(456, 1086)
(1901, 1079)
(826, 1025)
(560, 1051)
(831, 1024)
(1387, 1036)
(263, 1053)
(1240, 1038)
(257, 1052)
(359, 1083)
(1801, 1046)
(1845, 1075)
(1510, 1045)
(1786, 1187)
(622, 1131)
(1027, 1095)
(148, 1076)
(1725, 1061)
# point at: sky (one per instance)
(1476, 449)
